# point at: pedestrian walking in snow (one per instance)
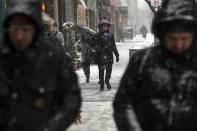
(144, 31)
(105, 46)
(38, 88)
(86, 41)
(160, 83)
(86, 45)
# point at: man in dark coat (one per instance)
(38, 89)
(106, 47)
(160, 83)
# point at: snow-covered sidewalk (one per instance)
(97, 106)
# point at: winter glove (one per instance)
(117, 59)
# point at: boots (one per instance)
(102, 85)
(108, 84)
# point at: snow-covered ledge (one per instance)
(83, 4)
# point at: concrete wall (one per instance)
(132, 12)
(69, 9)
(81, 15)
(91, 13)
(56, 12)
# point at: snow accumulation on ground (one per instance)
(97, 112)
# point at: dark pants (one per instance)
(102, 68)
(86, 69)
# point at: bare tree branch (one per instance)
(151, 7)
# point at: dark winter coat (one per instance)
(105, 46)
(161, 89)
(38, 88)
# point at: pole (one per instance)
(2, 13)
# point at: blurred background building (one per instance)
(139, 13)
(127, 15)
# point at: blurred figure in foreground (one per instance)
(160, 83)
(38, 87)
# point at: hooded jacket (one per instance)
(158, 87)
(38, 87)
(173, 10)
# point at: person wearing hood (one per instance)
(105, 46)
(159, 87)
(39, 88)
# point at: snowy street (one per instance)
(98, 65)
(97, 106)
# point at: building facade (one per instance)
(122, 15)
(132, 15)
(107, 10)
(144, 16)
(81, 12)
(91, 14)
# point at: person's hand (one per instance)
(117, 59)
(46, 129)
(78, 119)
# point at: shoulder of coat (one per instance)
(51, 46)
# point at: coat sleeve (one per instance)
(114, 48)
(69, 98)
(3, 106)
(4, 100)
(126, 97)
(96, 44)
